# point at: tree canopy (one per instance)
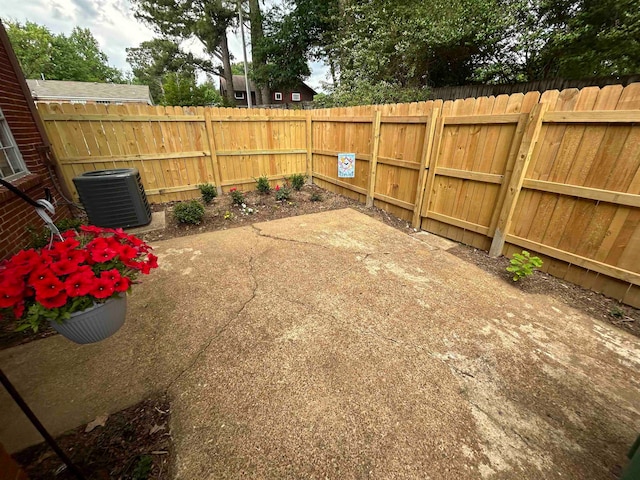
(60, 57)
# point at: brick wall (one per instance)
(15, 214)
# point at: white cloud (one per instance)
(114, 26)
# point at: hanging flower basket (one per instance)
(78, 284)
(96, 323)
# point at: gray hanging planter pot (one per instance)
(95, 323)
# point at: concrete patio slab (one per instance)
(333, 346)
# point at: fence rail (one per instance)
(557, 173)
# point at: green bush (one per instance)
(41, 237)
(315, 197)
(189, 212)
(208, 191)
(523, 265)
(283, 193)
(237, 197)
(262, 184)
(297, 181)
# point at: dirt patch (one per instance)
(591, 303)
(133, 444)
(221, 214)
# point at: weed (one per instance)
(523, 265)
(228, 215)
(283, 193)
(297, 181)
(237, 197)
(143, 468)
(262, 184)
(616, 312)
(189, 212)
(208, 191)
(316, 197)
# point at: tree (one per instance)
(180, 89)
(206, 20)
(154, 59)
(58, 57)
(258, 56)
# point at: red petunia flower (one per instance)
(64, 267)
(79, 284)
(277, 188)
(12, 286)
(39, 275)
(127, 252)
(9, 301)
(103, 254)
(18, 310)
(233, 189)
(152, 261)
(102, 288)
(56, 301)
(122, 284)
(48, 287)
(25, 262)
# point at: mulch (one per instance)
(133, 444)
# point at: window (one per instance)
(278, 96)
(11, 163)
(238, 95)
(103, 102)
(295, 97)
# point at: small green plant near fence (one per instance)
(208, 191)
(315, 197)
(283, 192)
(523, 265)
(41, 237)
(262, 184)
(297, 181)
(189, 212)
(237, 197)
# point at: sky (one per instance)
(113, 25)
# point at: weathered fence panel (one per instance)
(557, 173)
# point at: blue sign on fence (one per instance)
(346, 165)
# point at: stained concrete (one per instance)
(332, 346)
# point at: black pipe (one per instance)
(36, 423)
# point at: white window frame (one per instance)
(295, 96)
(11, 153)
(278, 96)
(238, 95)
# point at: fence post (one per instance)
(373, 164)
(433, 163)
(427, 149)
(309, 141)
(529, 140)
(217, 177)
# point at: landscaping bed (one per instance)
(132, 444)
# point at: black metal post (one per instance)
(36, 423)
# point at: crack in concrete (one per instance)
(224, 327)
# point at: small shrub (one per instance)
(237, 197)
(523, 265)
(262, 184)
(283, 193)
(297, 181)
(40, 237)
(208, 191)
(189, 212)
(315, 197)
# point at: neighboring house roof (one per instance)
(239, 84)
(52, 90)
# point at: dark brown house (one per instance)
(25, 156)
(301, 93)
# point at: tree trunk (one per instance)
(259, 61)
(226, 66)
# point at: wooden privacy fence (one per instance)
(557, 173)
